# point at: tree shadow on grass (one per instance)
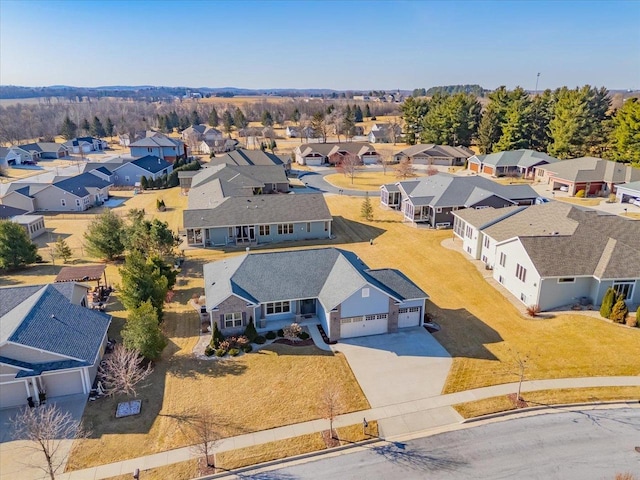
(417, 459)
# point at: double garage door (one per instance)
(363, 325)
(14, 394)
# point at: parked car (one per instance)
(636, 202)
(541, 200)
(564, 188)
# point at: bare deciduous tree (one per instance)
(431, 171)
(384, 162)
(47, 428)
(330, 404)
(405, 169)
(204, 430)
(123, 370)
(349, 165)
(519, 368)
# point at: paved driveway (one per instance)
(397, 367)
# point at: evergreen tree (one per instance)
(109, 127)
(62, 249)
(213, 117)
(142, 281)
(142, 331)
(295, 116)
(227, 122)
(626, 131)
(16, 248)
(517, 126)
(97, 130)
(451, 120)
(367, 111)
(173, 120)
(239, 120)
(272, 145)
(488, 131)
(267, 119)
(357, 113)
(619, 311)
(366, 211)
(568, 127)
(68, 130)
(85, 126)
(607, 302)
(104, 236)
(542, 113)
(144, 184)
(413, 113)
(194, 118)
(217, 336)
(185, 122)
(250, 330)
(349, 122)
(598, 121)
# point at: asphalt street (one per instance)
(590, 444)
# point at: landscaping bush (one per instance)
(225, 345)
(241, 341)
(292, 332)
(580, 194)
(612, 198)
(250, 331)
(209, 350)
(234, 352)
(303, 335)
(533, 310)
(260, 340)
(280, 333)
(220, 352)
(620, 311)
(270, 335)
(607, 303)
(634, 321)
(247, 348)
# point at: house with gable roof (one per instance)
(343, 295)
(50, 342)
(129, 173)
(433, 200)
(42, 151)
(159, 145)
(86, 145)
(317, 154)
(555, 255)
(431, 154)
(518, 162)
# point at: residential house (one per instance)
(593, 175)
(9, 157)
(430, 154)
(7, 212)
(385, 133)
(556, 255)
(159, 145)
(72, 194)
(342, 294)
(433, 200)
(628, 193)
(249, 205)
(242, 157)
(222, 145)
(317, 154)
(514, 162)
(297, 132)
(194, 131)
(50, 343)
(86, 145)
(150, 166)
(42, 151)
(33, 224)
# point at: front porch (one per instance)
(416, 213)
(308, 320)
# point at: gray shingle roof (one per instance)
(329, 274)
(483, 217)
(633, 186)
(521, 158)
(250, 157)
(260, 210)
(535, 220)
(591, 169)
(433, 150)
(7, 212)
(157, 140)
(56, 325)
(151, 163)
(327, 149)
(79, 184)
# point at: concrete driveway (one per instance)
(18, 458)
(397, 367)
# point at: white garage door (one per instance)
(441, 161)
(408, 317)
(13, 394)
(59, 384)
(364, 325)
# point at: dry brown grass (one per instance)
(585, 202)
(512, 181)
(633, 215)
(175, 471)
(547, 397)
(365, 180)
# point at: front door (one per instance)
(308, 306)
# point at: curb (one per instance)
(295, 458)
(551, 408)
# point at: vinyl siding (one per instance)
(516, 255)
(356, 304)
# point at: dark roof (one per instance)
(398, 282)
(151, 163)
(7, 212)
(54, 324)
(80, 274)
(250, 157)
(260, 210)
(78, 185)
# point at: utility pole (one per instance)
(537, 78)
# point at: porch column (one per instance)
(36, 392)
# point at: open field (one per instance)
(547, 397)
(366, 180)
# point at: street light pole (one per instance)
(537, 78)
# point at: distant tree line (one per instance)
(474, 89)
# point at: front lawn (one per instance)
(366, 180)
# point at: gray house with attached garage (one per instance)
(433, 200)
(554, 255)
(326, 286)
(50, 342)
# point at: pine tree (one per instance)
(620, 310)
(607, 303)
(104, 236)
(144, 183)
(239, 120)
(295, 116)
(16, 249)
(568, 127)
(357, 113)
(142, 331)
(267, 119)
(62, 249)
(97, 129)
(227, 122)
(367, 111)
(488, 131)
(85, 126)
(213, 118)
(194, 118)
(217, 336)
(142, 281)
(109, 127)
(68, 129)
(366, 211)
(250, 330)
(626, 131)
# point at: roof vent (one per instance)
(555, 233)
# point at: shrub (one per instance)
(259, 340)
(220, 352)
(247, 348)
(620, 311)
(216, 336)
(303, 335)
(209, 350)
(270, 336)
(634, 321)
(292, 332)
(250, 331)
(234, 352)
(612, 198)
(241, 341)
(580, 194)
(280, 333)
(225, 345)
(533, 310)
(607, 303)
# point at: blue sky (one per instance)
(357, 45)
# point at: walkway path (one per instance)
(399, 419)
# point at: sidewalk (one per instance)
(399, 419)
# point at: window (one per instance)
(285, 229)
(409, 310)
(232, 320)
(501, 279)
(278, 307)
(63, 202)
(308, 227)
(365, 292)
(624, 288)
(127, 179)
(523, 297)
(264, 230)
(486, 242)
(149, 149)
(326, 226)
(77, 202)
(521, 272)
(566, 280)
(503, 259)
(469, 231)
(380, 316)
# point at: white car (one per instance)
(636, 202)
(564, 188)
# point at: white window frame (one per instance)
(567, 280)
(620, 283)
(503, 259)
(521, 273)
(486, 241)
(264, 230)
(63, 202)
(276, 308)
(233, 320)
(285, 229)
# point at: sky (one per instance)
(357, 45)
